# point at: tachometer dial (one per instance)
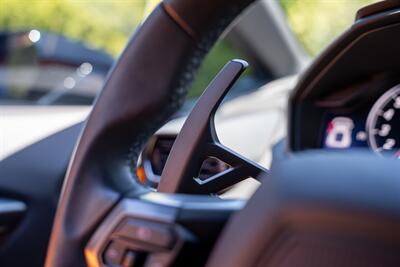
(383, 124)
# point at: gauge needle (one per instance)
(397, 154)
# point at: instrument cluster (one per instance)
(372, 122)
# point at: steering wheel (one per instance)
(315, 209)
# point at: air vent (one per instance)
(212, 166)
(159, 155)
(153, 159)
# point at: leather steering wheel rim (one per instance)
(146, 85)
(281, 224)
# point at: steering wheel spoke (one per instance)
(155, 228)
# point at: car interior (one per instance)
(142, 177)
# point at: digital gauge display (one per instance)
(383, 125)
(339, 133)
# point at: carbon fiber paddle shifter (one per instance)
(198, 141)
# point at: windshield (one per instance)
(59, 52)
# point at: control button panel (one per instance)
(113, 253)
(142, 243)
(153, 234)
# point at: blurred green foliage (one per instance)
(107, 24)
(318, 22)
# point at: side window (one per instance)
(59, 52)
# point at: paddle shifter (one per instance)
(197, 142)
